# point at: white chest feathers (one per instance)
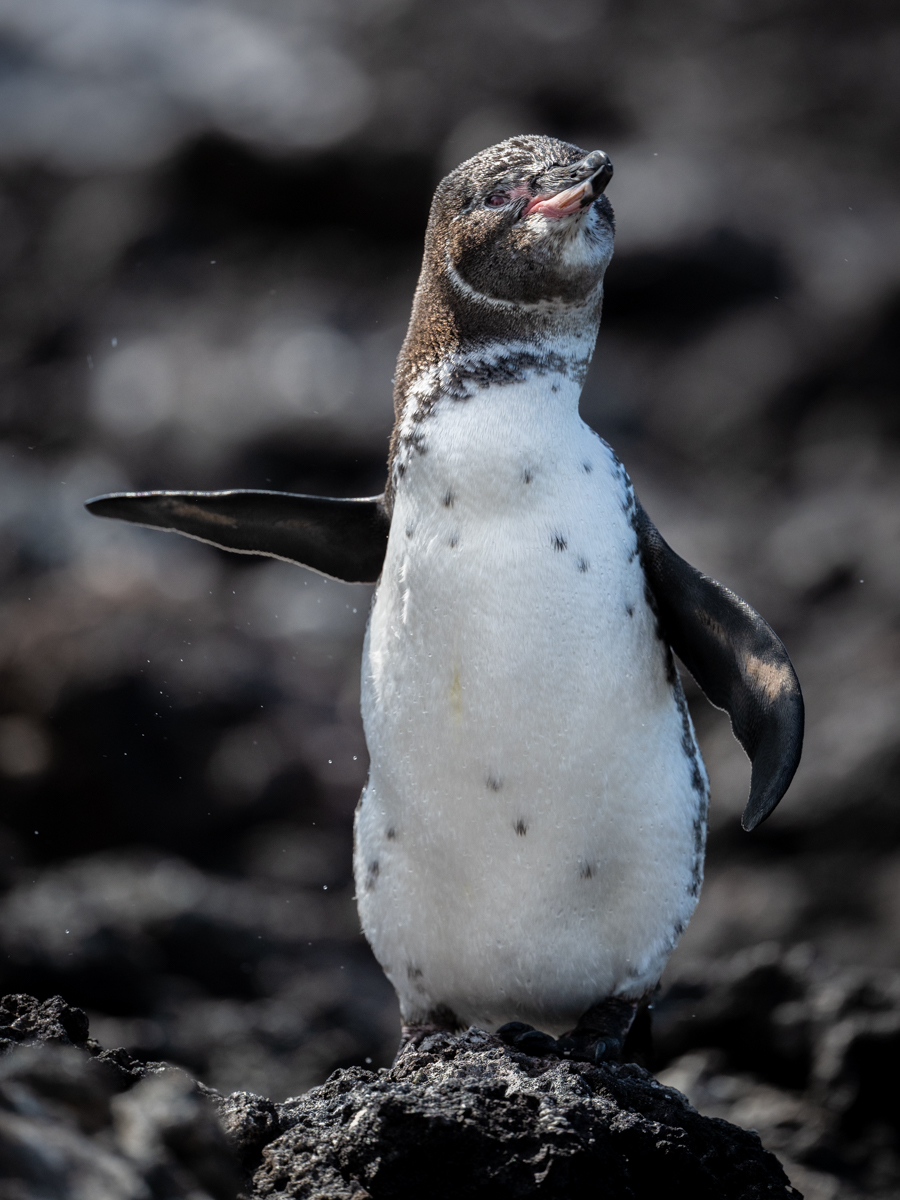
(531, 837)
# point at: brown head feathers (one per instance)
(518, 240)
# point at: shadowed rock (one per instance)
(463, 1115)
(456, 1115)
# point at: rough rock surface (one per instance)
(81, 1123)
(457, 1115)
(802, 1051)
(462, 1115)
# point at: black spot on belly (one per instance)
(391, 833)
(527, 475)
(521, 827)
(372, 873)
(559, 542)
(583, 566)
(453, 541)
(494, 784)
(413, 972)
(586, 871)
(587, 467)
(554, 387)
(448, 499)
(629, 609)
(401, 469)
(410, 530)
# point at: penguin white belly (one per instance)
(530, 839)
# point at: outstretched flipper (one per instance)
(738, 661)
(345, 539)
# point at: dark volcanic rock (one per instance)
(78, 1122)
(462, 1115)
(457, 1115)
(250, 1123)
(789, 1044)
(24, 1020)
(64, 1133)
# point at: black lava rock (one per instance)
(77, 1121)
(463, 1115)
(24, 1020)
(456, 1115)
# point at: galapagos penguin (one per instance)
(529, 844)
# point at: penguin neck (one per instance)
(547, 346)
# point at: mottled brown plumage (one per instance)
(490, 276)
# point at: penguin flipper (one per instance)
(736, 658)
(345, 539)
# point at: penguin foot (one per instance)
(600, 1034)
(592, 1049)
(438, 1020)
(527, 1039)
(580, 1046)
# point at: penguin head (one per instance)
(525, 222)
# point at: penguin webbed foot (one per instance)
(527, 1039)
(599, 1036)
(591, 1048)
(583, 1047)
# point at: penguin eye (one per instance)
(496, 200)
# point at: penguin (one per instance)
(529, 844)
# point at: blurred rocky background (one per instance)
(211, 218)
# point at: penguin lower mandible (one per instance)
(529, 844)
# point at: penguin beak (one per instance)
(579, 197)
